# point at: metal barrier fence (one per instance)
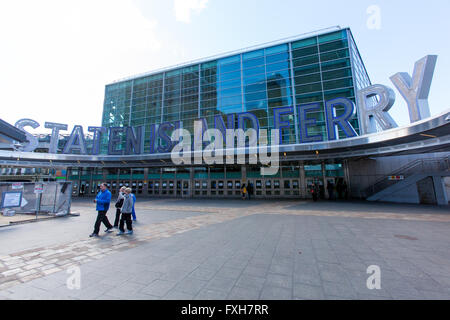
(36, 197)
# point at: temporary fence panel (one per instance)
(43, 197)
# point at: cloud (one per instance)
(183, 9)
(57, 56)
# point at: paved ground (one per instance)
(233, 249)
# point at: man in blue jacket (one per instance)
(103, 200)
(134, 212)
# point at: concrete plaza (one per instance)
(233, 249)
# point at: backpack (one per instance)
(119, 203)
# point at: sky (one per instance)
(56, 56)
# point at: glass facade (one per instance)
(297, 73)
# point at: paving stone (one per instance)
(208, 294)
(177, 295)
(275, 293)
(190, 286)
(278, 280)
(228, 272)
(240, 293)
(307, 292)
(11, 272)
(50, 271)
(255, 272)
(203, 273)
(338, 289)
(247, 281)
(221, 284)
(26, 273)
(158, 288)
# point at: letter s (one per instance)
(33, 142)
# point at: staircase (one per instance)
(419, 167)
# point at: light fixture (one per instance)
(427, 135)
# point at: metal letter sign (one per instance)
(415, 90)
(373, 105)
(33, 142)
(372, 111)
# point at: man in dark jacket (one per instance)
(250, 190)
(118, 205)
(103, 200)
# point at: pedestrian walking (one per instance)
(330, 189)
(314, 192)
(126, 210)
(118, 205)
(345, 190)
(102, 200)
(250, 190)
(244, 191)
(339, 189)
(133, 213)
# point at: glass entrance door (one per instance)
(186, 190)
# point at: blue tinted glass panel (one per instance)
(229, 60)
(230, 84)
(255, 87)
(333, 36)
(253, 54)
(277, 82)
(230, 67)
(279, 75)
(277, 66)
(190, 69)
(334, 55)
(262, 104)
(173, 73)
(231, 92)
(230, 109)
(280, 101)
(208, 65)
(230, 75)
(253, 63)
(254, 79)
(255, 96)
(277, 57)
(341, 63)
(277, 49)
(307, 69)
(306, 61)
(253, 71)
(304, 43)
(226, 101)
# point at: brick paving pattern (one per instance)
(249, 250)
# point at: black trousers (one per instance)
(101, 217)
(126, 217)
(116, 222)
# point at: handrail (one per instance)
(408, 170)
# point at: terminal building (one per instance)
(289, 85)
